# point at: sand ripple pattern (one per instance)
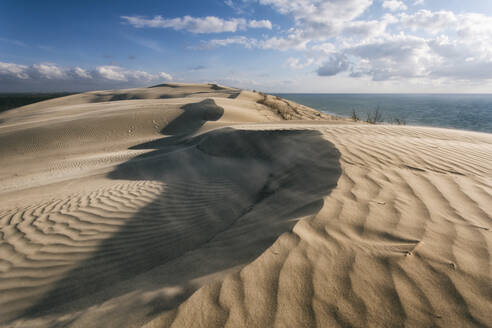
(404, 240)
(40, 243)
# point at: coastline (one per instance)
(469, 112)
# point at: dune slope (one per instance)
(204, 206)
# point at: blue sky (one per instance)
(269, 45)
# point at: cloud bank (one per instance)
(49, 77)
(334, 38)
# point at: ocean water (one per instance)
(457, 111)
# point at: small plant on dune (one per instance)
(398, 121)
(355, 117)
(375, 117)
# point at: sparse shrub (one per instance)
(375, 117)
(355, 116)
(398, 121)
(279, 106)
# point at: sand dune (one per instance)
(204, 206)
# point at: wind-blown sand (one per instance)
(204, 206)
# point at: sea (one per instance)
(471, 112)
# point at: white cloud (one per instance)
(115, 73)
(296, 63)
(455, 37)
(399, 56)
(320, 19)
(405, 57)
(306, 38)
(231, 4)
(290, 42)
(49, 71)
(394, 5)
(260, 24)
(199, 25)
(82, 73)
(241, 40)
(165, 76)
(469, 25)
(365, 29)
(320, 11)
(10, 70)
(50, 77)
(325, 48)
(474, 26)
(239, 6)
(418, 2)
(432, 22)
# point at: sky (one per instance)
(319, 46)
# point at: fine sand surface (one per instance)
(203, 206)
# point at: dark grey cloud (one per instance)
(335, 64)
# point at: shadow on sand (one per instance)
(228, 195)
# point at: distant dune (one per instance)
(14, 100)
(199, 205)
